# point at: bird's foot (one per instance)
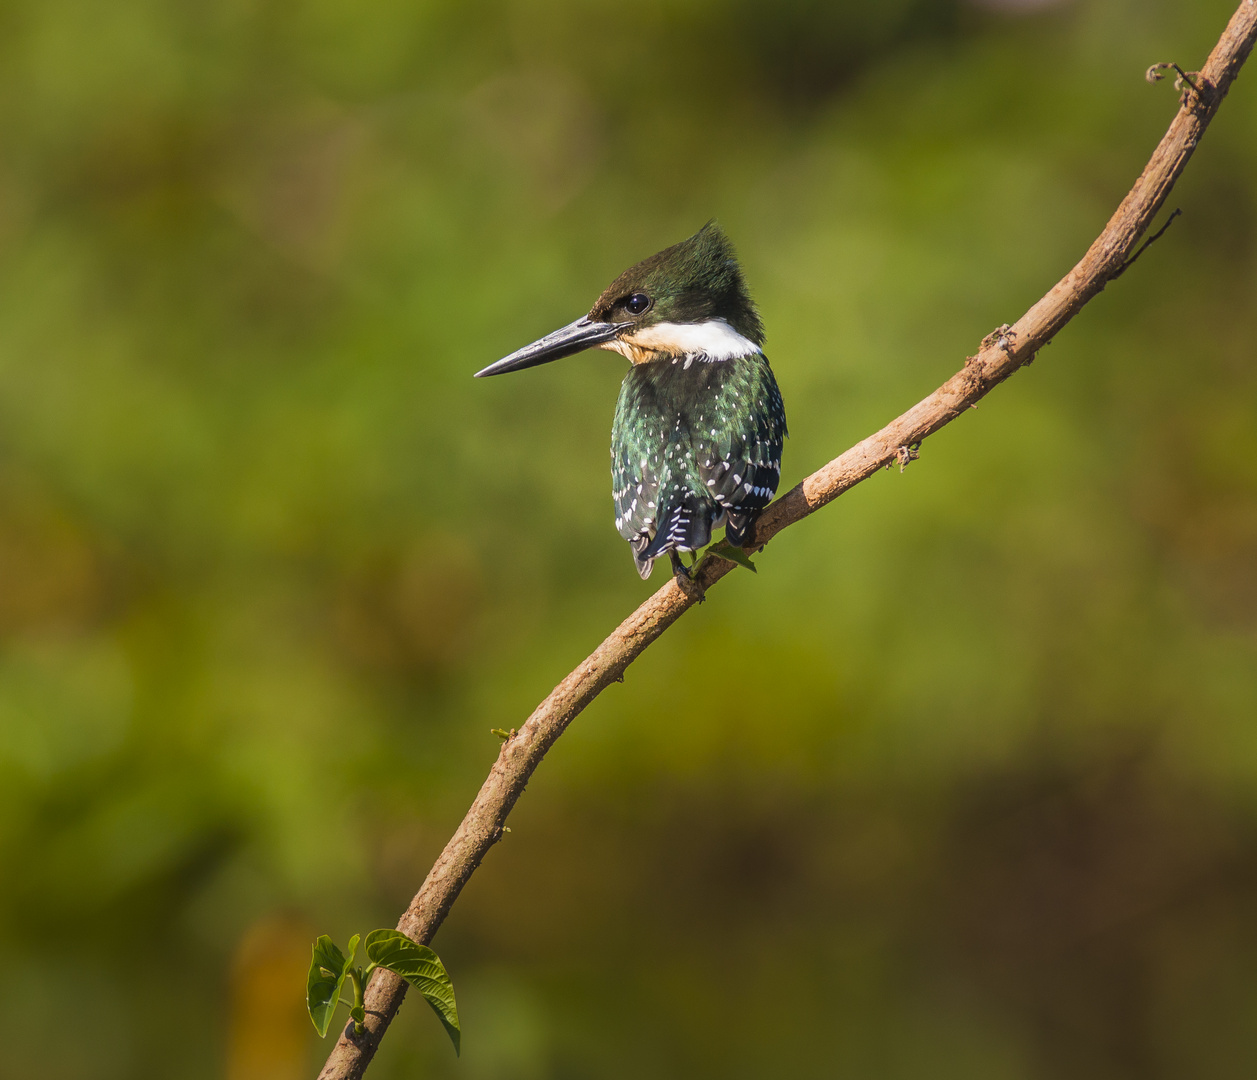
(685, 576)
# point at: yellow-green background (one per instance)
(960, 785)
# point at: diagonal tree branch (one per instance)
(1001, 354)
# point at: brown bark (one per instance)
(1001, 354)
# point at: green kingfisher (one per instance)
(699, 424)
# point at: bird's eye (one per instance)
(637, 304)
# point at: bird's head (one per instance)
(688, 299)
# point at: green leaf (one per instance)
(732, 554)
(328, 969)
(422, 968)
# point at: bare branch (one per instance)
(1001, 353)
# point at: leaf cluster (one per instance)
(388, 949)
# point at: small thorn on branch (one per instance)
(1146, 245)
(905, 454)
(1200, 89)
(1004, 336)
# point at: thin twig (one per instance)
(1146, 245)
(1182, 80)
(998, 358)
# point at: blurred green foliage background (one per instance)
(962, 784)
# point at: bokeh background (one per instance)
(962, 784)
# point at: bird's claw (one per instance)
(685, 577)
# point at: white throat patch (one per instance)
(714, 340)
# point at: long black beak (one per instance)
(573, 338)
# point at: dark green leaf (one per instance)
(422, 968)
(328, 968)
(732, 554)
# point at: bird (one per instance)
(699, 425)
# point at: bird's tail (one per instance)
(684, 526)
(738, 526)
(644, 566)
